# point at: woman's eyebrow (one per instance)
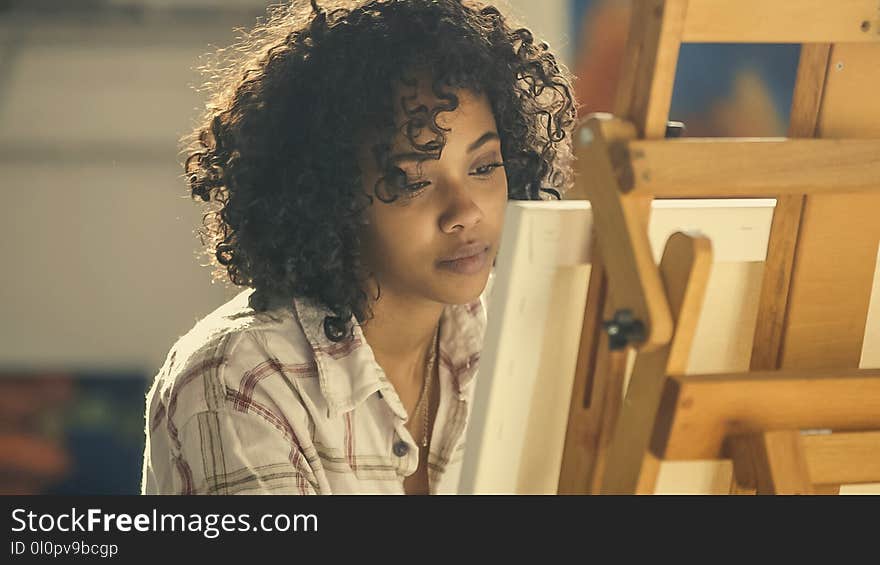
(488, 136)
(406, 157)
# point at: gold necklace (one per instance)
(426, 388)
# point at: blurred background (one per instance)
(100, 270)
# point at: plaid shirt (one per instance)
(253, 403)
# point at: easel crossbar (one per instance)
(697, 412)
(746, 168)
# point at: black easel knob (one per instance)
(623, 329)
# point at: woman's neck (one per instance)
(400, 334)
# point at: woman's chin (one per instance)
(465, 292)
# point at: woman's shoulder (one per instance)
(227, 351)
(236, 327)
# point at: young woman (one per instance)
(359, 157)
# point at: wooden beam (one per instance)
(585, 410)
(776, 283)
(611, 406)
(826, 489)
(782, 245)
(843, 458)
(833, 274)
(622, 231)
(685, 268)
(833, 270)
(781, 21)
(770, 463)
(697, 412)
(830, 460)
(809, 87)
(746, 167)
(644, 92)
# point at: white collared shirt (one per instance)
(253, 403)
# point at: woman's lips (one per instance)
(466, 265)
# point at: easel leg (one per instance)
(770, 463)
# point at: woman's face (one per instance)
(460, 201)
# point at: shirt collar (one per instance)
(348, 372)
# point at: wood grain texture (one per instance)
(643, 96)
(833, 270)
(782, 245)
(843, 458)
(781, 21)
(809, 87)
(770, 463)
(685, 268)
(776, 283)
(832, 279)
(746, 168)
(622, 232)
(585, 411)
(697, 412)
(826, 489)
(611, 406)
(651, 56)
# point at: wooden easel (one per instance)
(756, 419)
(818, 272)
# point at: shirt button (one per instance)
(401, 448)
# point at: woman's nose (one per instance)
(461, 211)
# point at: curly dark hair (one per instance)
(275, 152)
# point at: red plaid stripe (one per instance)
(187, 378)
(341, 349)
(272, 366)
(243, 403)
(348, 441)
(157, 417)
(186, 477)
(458, 370)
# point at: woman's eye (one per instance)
(415, 188)
(487, 170)
(417, 185)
